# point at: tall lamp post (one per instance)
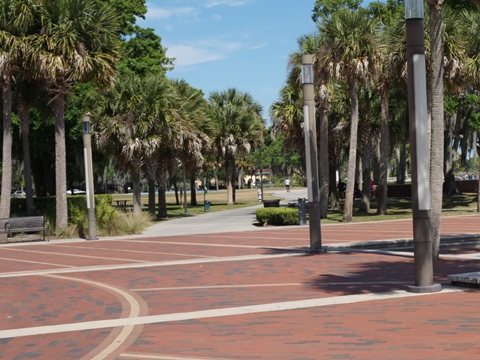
(419, 148)
(87, 150)
(311, 153)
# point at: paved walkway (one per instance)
(217, 222)
(243, 294)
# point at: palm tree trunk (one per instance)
(366, 195)
(137, 196)
(334, 203)
(323, 162)
(215, 174)
(151, 197)
(384, 149)
(162, 198)
(352, 157)
(193, 187)
(27, 165)
(437, 113)
(6, 192)
(185, 205)
(61, 222)
(230, 173)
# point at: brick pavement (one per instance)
(242, 295)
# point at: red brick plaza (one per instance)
(242, 295)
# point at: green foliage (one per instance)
(129, 11)
(462, 4)
(325, 8)
(109, 220)
(387, 12)
(143, 53)
(277, 216)
(106, 215)
(472, 102)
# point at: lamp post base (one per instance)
(425, 289)
(92, 230)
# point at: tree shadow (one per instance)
(383, 276)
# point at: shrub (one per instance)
(133, 223)
(277, 216)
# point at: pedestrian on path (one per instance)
(287, 184)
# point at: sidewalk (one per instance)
(243, 294)
(242, 219)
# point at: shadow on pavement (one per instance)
(383, 276)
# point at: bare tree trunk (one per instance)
(384, 148)
(61, 222)
(334, 203)
(240, 178)
(6, 192)
(137, 200)
(215, 174)
(162, 198)
(27, 169)
(193, 188)
(437, 136)
(366, 195)
(323, 160)
(230, 173)
(352, 157)
(151, 197)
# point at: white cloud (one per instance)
(217, 17)
(156, 13)
(259, 46)
(201, 52)
(188, 55)
(213, 3)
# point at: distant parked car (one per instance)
(19, 193)
(75, 192)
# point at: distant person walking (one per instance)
(287, 185)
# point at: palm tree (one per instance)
(16, 21)
(236, 116)
(350, 38)
(287, 117)
(311, 44)
(78, 41)
(135, 126)
(192, 128)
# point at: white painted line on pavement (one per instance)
(36, 262)
(264, 285)
(213, 313)
(144, 265)
(73, 255)
(127, 329)
(136, 251)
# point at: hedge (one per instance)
(277, 216)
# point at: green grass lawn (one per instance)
(398, 208)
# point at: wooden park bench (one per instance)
(24, 224)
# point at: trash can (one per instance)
(302, 211)
(206, 205)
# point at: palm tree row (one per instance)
(148, 125)
(58, 43)
(361, 53)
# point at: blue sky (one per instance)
(221, 44)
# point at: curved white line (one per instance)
(127, 329)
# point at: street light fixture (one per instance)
(311, 153)
(87, 150)
(419, 148)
